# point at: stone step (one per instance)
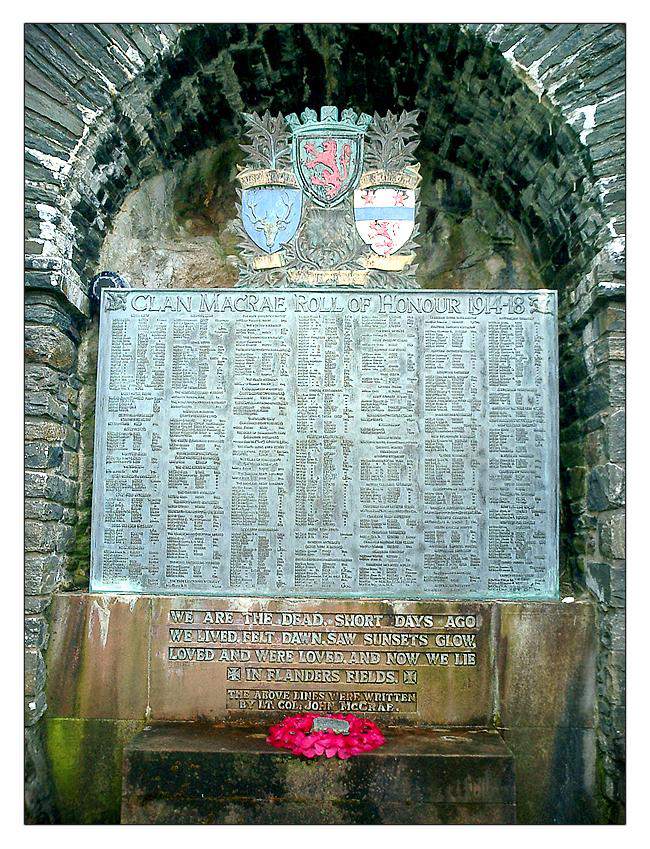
(200, 773)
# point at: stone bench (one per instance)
(201, 773)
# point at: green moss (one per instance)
(63, 755)
(78, 562)
(79, 554)
(85, 759)
(608, 812)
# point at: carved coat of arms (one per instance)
(328, 200)
(385, 216)
(271, 214)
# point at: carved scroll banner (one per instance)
(327, 444)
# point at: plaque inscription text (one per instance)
(327, 443)
(233, 658)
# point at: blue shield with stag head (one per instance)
(271, 215)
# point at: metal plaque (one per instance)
(325, 443)
(330, 723)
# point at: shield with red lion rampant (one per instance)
(385, 217)
(328, 154)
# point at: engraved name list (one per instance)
(324, 443)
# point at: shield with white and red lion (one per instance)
(385, 217)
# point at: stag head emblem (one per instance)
(271, 215)
(275, 223)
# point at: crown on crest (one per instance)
(329, 120)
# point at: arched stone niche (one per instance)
(476, 113)
(176, 230)
(130, 135)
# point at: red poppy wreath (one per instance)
(302, 736)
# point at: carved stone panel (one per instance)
(439, 663)
(399, 662)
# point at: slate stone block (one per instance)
(614, 630)
(64, 537)
(40, 536)
(606, 488)
(70, 464)
(37, 508)
(597, 580)
(35, 484)
(615, 669)
(41, 455)
(49, 346)
(35, 707)
(617, 584)
(35, 632)
(42, 572)
(47, 107)
(43, 308)
(43, 404)
(615, 436)
(71, 439)
(44, 431)
(34, 671)
(60, 489)
(595, 447)
(611, 536)
(36, 603)
(39, 378)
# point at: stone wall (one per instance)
(581, 70)
(52, 423)
(533, 117)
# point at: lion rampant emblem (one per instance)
(330, 169)
(327, 153)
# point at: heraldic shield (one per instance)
(385, 217)
(328, 154)
(271, 215)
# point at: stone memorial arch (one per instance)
(131, 147)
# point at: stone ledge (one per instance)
(200, 773)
